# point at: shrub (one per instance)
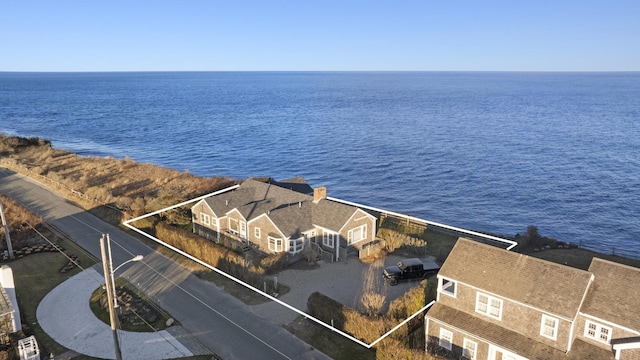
(325, 309)
(390, 348)
(372, 303)
(275, 262)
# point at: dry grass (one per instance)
(21, 223)
(135, 188)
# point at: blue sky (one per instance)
(137, 35)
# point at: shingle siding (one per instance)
(516, 317)
(529, 288)
(290, 214)
(518, 277)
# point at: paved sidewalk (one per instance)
(65, 315)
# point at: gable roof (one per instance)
(518, 277)
(615, 293)
(331, 215)
(292, 211)
(493, 333)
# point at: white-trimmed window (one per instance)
(448, 287)
(206, 219)
(469, 349)
(549, 327)
(488, 305)
(256, 232)
(328, 239)
(357, 234)
(233, 226)
(597, 332)
(275, 244)
(446, 338)
(296, 245)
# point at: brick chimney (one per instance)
(319, 193)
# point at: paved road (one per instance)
(222, 323)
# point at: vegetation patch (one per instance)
(408, 340)
(330, 343)
(135, 311)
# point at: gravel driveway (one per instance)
(344, 281)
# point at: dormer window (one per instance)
(448, 287)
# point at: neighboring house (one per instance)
(497, 304)
(610, 315)
(283, 217)
(9, 311)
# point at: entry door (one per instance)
(243, 229)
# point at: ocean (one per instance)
(488, 151)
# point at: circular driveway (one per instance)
(65, 315)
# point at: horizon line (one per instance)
(308, 71)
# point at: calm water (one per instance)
(486, 151)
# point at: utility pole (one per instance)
(109, 285)
(6, 231)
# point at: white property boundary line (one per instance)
(511, 243)
(368, 346)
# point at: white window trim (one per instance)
(446, 290)
(487, 311)
(465, 346)
(206, 219)
(296, 245)
(328, 239)
(448, 336)
(256, 232)
(231, 229)
(544, 326)
(598, 332)
(493, 350)
(363, 234)
(276, 246)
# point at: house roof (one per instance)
(297, 184)
(615, 294)
(518, 277)
(492, 333)
(331, 215)
(292, 211)
(582, 350)
(5, 303)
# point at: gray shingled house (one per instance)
(497, 304)
(283, 216)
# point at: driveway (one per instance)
(65, 315)
(344, 282)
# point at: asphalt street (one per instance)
(219, 321)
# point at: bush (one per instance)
(373, 303)
(275, 262)
(393, 349)
(325, 309)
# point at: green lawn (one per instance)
(35, 275)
